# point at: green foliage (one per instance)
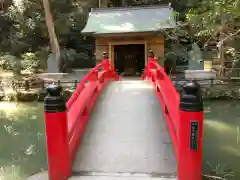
(67, 58)
(27, 61)
(217, 22)
(212, 16)
(69, 54)
(71, 58)
(10, 62)
(234, 54)
(6, 61)
(178, 42)
(30, 61)
(209, 22)
(42, 56)
(23, 31)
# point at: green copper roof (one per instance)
(135, 19)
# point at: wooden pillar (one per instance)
(123, 3)
(103, 3)
(111, 54)
(146, 53)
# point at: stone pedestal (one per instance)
(52, 76)
(200, 74)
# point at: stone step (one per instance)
(118, 178)
(121, 176)
(44, 176)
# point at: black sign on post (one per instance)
(193, 135)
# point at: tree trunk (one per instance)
(54, 59)
(221, 46)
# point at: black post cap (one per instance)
(150, 54)
(105, 55)
(54, 101)
(191, 98)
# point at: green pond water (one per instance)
(22, 143)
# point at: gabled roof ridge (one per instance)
(130, 8)
(122, 20)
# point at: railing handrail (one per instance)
(171, 103)
(160, 68)
(184, 117)
(80, 86)
(92, 78)
(169, 85)
(65, 122)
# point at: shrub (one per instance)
(30, 61)
(10, 62)
(67, 58)
(42, 55)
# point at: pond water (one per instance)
(221, 141)
(22, 143)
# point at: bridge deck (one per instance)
(126, 136)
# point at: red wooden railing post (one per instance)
(150, 59)
(106, 66)
(56, 134)
(105, 61)
(150, 65)
(190, 133)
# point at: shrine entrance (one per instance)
(129, 60)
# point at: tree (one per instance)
(218, 20)
(54, 60)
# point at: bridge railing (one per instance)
(65, 122)
(184, 117)
(155, 73)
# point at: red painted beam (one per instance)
(184, 117)
(65, 123)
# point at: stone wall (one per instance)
(216, 91)
(221, 93)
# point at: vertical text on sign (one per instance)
(193, 135)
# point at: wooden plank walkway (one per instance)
(126, 134)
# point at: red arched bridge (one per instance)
(113, 129)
